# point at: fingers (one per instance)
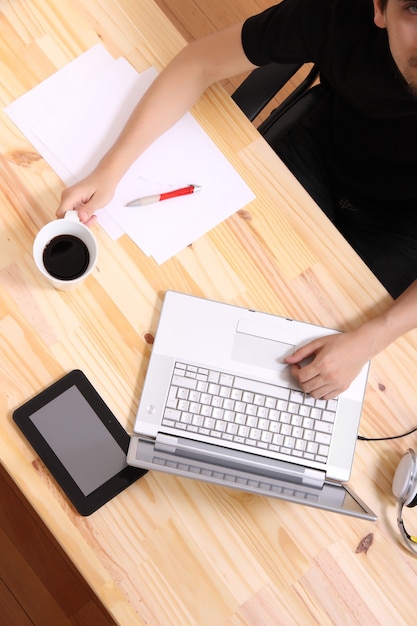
(332, 364)
(89, 221)
(315, 376)
(85, 216)
(304, 352)
(307, 376)
(316, 385)
(73, 199)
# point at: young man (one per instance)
(363, 137)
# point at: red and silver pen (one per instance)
(184, 191)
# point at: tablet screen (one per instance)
(80, 440)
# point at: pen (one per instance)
(184, 191)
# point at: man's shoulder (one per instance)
(325, 11)
(307, 31)
(338, 6)
(333, 7)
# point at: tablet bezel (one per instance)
(85, 504)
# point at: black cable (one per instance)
(413, 430)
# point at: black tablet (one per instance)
(79, 440)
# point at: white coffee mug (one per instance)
(71, 227)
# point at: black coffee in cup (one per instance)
(66, 257)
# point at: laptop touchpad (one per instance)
(259, 351)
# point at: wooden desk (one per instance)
(170, 551)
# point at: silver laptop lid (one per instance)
(328, 496)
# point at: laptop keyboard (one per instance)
(240, 411)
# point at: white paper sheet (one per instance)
(55, 94)
(74, 117)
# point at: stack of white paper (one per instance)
(73, 118)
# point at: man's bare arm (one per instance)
(173, 93)
(338, 359)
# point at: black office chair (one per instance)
(258, 89)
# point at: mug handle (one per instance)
(72, 216)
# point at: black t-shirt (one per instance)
(368, 126)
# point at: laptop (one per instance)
(219, 404)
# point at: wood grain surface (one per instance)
(169, 551)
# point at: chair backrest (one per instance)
(258, 89)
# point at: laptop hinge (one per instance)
(246, 461)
